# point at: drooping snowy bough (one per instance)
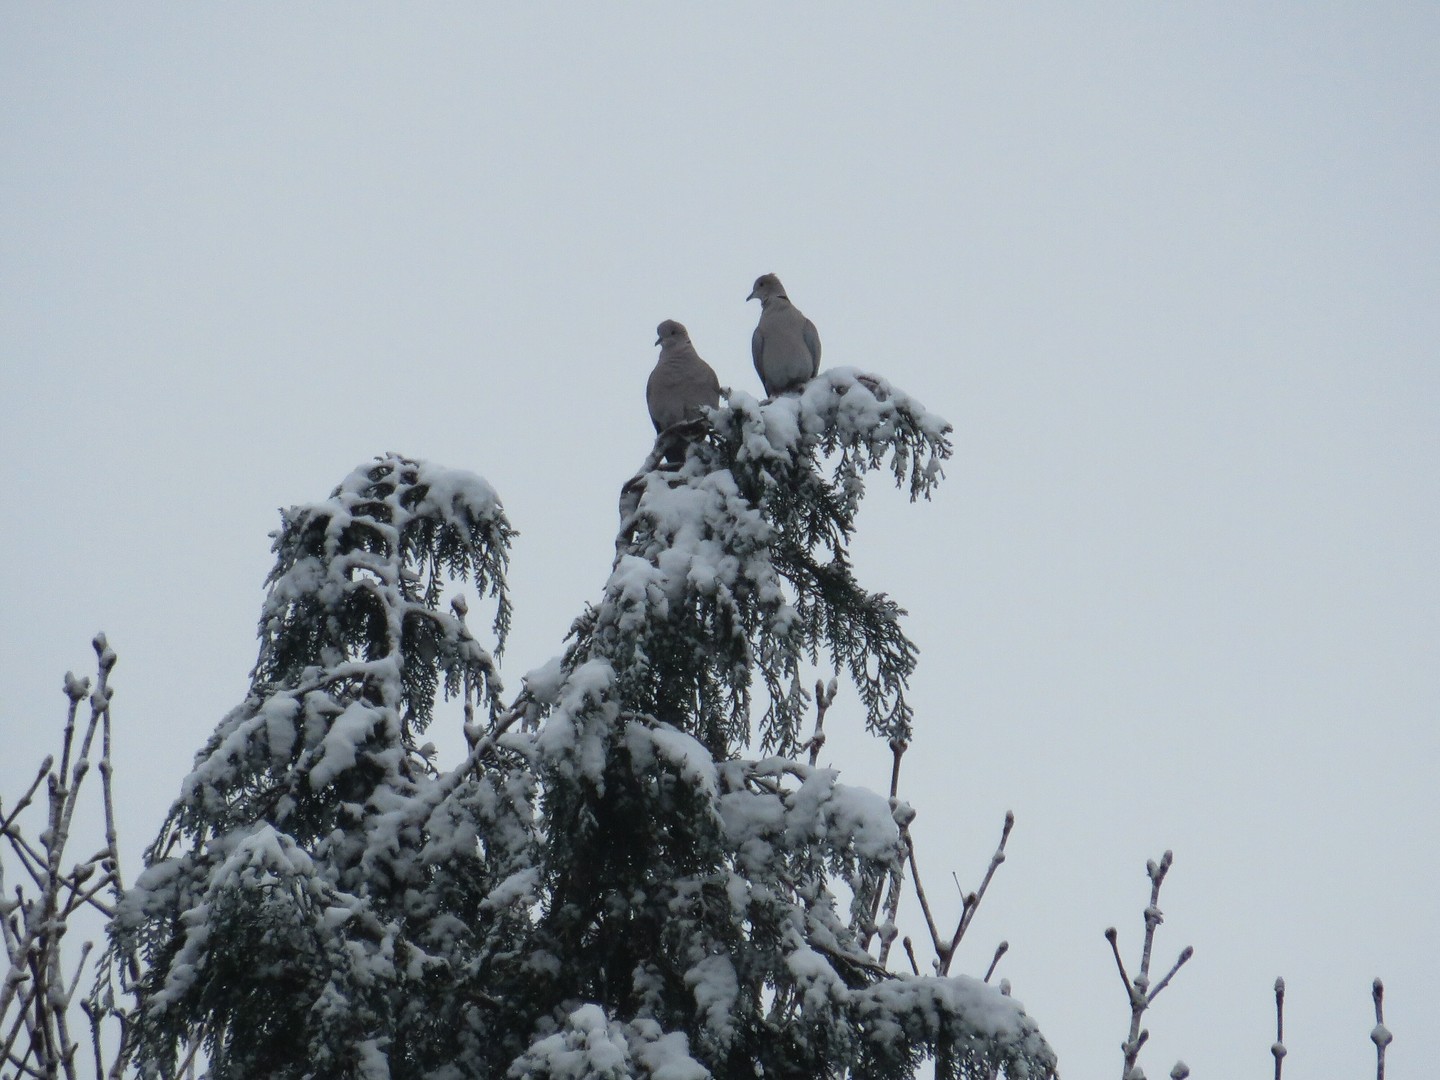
(631, 874)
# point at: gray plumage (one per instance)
(680, 384)
(785, 345)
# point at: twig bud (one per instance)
(76, 689)
(1380, 1034)
(103, 651)
(1000, 950)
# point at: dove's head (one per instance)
(671, 332)
(767, 287)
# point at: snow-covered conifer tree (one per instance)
(633, 873)
(320, 902)
(687, 884)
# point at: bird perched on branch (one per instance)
(679, 386)
(785, 345)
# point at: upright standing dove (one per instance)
(785, 345)
(680, 384)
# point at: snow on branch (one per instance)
(737, 565)
(354, 643)
(590, 1046)
(375, 557)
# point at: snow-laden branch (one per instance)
(736, 565)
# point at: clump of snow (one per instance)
(544, 682)
(664, 744)
(589, 1046)
(451, 491)
(981, 1022)
(663, 1055)
(716, 987)
(342, 742)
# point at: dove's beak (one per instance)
(751, 296)
(657, 341)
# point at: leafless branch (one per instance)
(824, 695)
(1278, 1047)
(1138, 990)
(1380, 1034)
(972, 901)
(920, 894)
(40, 775)
(897, 751)
(40, 985)
(910, 952)
(1000, 950)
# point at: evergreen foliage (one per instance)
(610, 884)
(319, 902)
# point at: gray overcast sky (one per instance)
(1171, 270)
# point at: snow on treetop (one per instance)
(843, 409)
(446, 490)
(736, 564)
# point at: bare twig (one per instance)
(910, 952)
(40, 775)
(920, 894)
(897, 751)
(972, 901)
(1000, 950)
(187, 1067)
(1278, 1047)
(1113, 936)
(31, 859)
(1185, 954)
(1139, 990)
(41, 985)
(887, 930)
(945, 948)
(824, 696)
(1380, 1034)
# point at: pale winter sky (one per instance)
(1170, 269)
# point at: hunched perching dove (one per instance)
(785, 345)
(680, 384)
